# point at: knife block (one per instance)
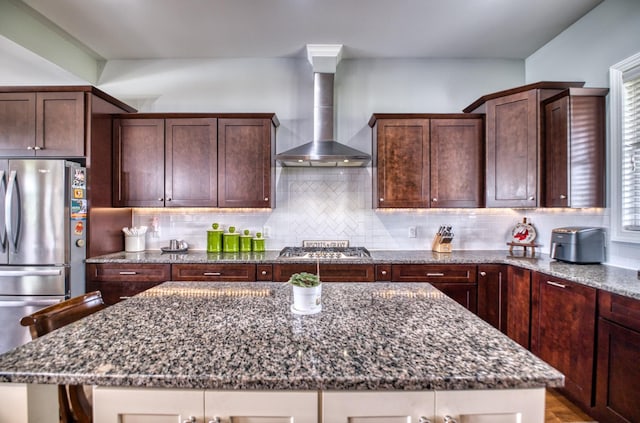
(439, 246)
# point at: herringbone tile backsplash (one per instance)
(336, 203)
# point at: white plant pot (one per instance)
(307, 300)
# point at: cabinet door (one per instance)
(563, 331)
(618, 373)
(214, 272)
(118, 282)
(512, 149)
(463, 293)
(457, 163)
(329, 272)
(556, 117)
(492, 295)
(244, 163)
(136, 405)
(17, 124)
(402, 175)
(519, 305)
(261, 406)
(377, 407)
(191, 163)
(138, 150)
(60, 120)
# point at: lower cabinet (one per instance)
(456, 281)
(118, 282)
(617, 371)
(563, 325)
(492, 295)
(116, 405)
(329, 272)
(519, 305)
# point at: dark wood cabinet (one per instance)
(456, 281)
(246, 149)
(225, 272)
(118, 282)
(492, 295)
(575, 148)
(457, 162)
(173, 160)
(329, 272)
(401, 163)
(519, 305)
(42, 124)
(618, 353)
(514, 150)
(563, 332)
(427, 160)
(165, 163)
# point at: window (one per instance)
(625, 137)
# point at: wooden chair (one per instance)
(74, 405)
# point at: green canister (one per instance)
(231, 241)
(214, 239)
(245, 242)
(257, 243)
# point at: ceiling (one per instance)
(161, 29)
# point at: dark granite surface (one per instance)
(613, 279)
(378, 336)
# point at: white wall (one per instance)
(584, 52)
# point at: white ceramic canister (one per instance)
(307, 300)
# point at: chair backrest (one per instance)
(55, 316)
(74, 405)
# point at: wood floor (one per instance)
(560, 410)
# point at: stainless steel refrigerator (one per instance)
(43, 210)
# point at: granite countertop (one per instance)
(608, 278)
(378, 336)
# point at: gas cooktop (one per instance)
(324, 250)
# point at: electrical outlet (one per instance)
(413, 232)
(266, 231)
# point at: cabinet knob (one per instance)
(532, 198)
(160, 199)
(37, 148)
(215, 420)
(562, 196)
(192, 419)
(384, 272)
(435, 200)
(263, 273)
(483, 273)
(423, 419)
(449, 419)
(381, 200)
(266, 198)
(169, 199)
(29, 147)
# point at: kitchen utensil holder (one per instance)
(134, 243)
(440, 246)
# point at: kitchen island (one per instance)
(400, 345)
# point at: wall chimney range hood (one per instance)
(324, 150)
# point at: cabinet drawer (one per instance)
(617, 308)
(129, 272)
(329, 272)
(433, 273)
(214, 272)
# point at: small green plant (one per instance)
(304, 280)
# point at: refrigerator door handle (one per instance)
(11, 234)
(33, 303)
(3, 230)
(44, 272)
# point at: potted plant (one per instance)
(307, 291)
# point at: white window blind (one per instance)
(630, 192)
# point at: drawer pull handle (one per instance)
(212, 274)
(435, 274)
(124, 298)
(128, 273)
(556, 284)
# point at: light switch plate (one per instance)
(413, 232)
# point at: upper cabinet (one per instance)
(427, 160)
(42, 124)
(188, 161)
(514, 127)
(575, 148)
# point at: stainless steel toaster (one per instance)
(578, 244)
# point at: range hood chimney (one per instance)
(324, 150)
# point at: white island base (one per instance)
(38, 403)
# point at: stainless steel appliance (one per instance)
(43, 211)
(578, 244)
(324, 250)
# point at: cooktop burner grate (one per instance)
(324, 252)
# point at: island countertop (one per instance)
(378, 336)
